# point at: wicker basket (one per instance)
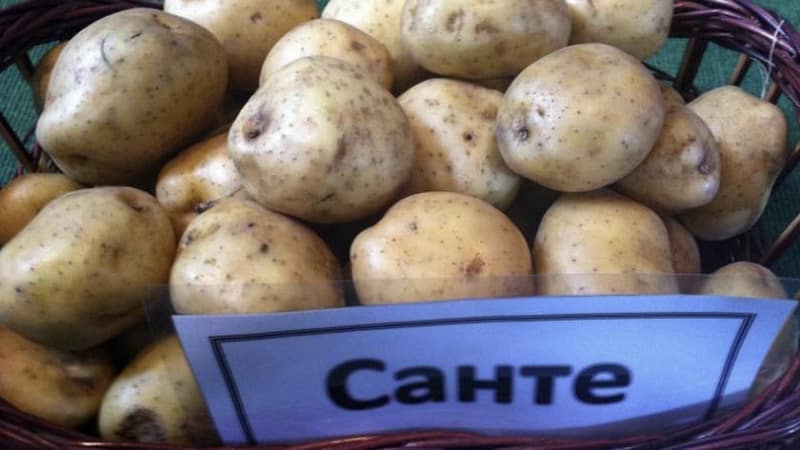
(772, 420)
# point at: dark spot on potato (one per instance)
(256, 17)
(468, 136)
(161, 23)
(103, 54)
(256, 125)
(485, 26)
(251, 225)
(141, 425)
(357, 46)
(342, 149)
(489, 114)
(704, 168)
(202, 207)
(522, 133)
(413, 226)
(135, 35)
(455, 21)
(18, 290)
(475, 267)
(264, 249)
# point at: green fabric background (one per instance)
(17, 105)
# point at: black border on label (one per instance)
(217, 342)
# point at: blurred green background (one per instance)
(17, 105)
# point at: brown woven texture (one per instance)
(770, 421)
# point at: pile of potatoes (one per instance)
(251, 155)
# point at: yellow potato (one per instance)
(683, 169)
(246, 28)
(64, 388)
(381, 20)
(128, 91)
(685, 253)
(156, 399)
(322, 142)
(601, 243)
(580, 118)
(327, 37)
(672, 98)
(440, 246)
(239, 258)
(751, 135)
(480, 40)
(453, 124)
(79, 273)
(745, 279)
(41, 75)
(202, 173)
(638, 27)
(25, 196)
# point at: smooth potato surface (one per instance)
(481, 40)
(440, 246)
(638, 27)
(128, 91)
(239, 258)
(247, 29)
(25, 196)
(381, 20)
(61, 387)
(80, 272)
(683, 169)
(685, 253)
(322, 142)
(200, 174)
(751, 135)
(327, 37)
(601, 243)
(453, 124)
(580, 118)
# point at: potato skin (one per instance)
(156, 399)
(41, 75)
(481, 40)
(79, 273)
(322, 142)
(751, 135)
(453, 124)
(638, 27)
(115, 111)
(25, 196)
(601, 243)
(240, 258)
(381, 20)
(682, 171)
(327, 37)
(440, 246)
(247, 29)
(685, 253)
(555, 126)
(64, 388)
(200, 174)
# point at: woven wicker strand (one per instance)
(771, 420)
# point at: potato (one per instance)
(638, 27)
(601, 243)
(480, 40)
(751, 134)
(41, 75)
(322, 142)
(156, 399)
(25, 196)
(440, 246)
(381, 20)
(580, 118)
(126, 92)
(326, 37)
(672, 98)
(453, 124)
(246, 28)
(202, 173)
(239, 258)
(683, 169)
(746, 279)
(64, 388)
(79, 273)
(684, 250)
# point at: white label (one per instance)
(596, 367)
